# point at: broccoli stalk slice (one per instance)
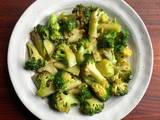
(49, 46)
(38, 42)
(49, 67)
(63, 102)
(70, 56)
(93, 24)
(105, 27)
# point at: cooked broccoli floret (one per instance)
(33, 64)
(109, 54)
(83, 92)
(38, 42)
(124, 53)
(106, 40)
(35, 61)
(83, 14)
(64, 81)
(124, 70)
(89, 69)
(74, 36)
(63, 102)
(67, 22)
(104, 18)
(44, 84)
(119, 88)
(43, 31)
(91, 106)
(54, 28)
(65, 54)
(102, 92)
(88, 104)
(83, 47)
(106, 68)
(121, 41)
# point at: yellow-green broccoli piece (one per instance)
(63, 102)
(44, 84)
(35, 61)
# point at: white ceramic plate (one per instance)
(115, 108)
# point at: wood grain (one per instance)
(10, 106)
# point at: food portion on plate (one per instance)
(80, 58)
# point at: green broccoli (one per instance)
(67, 22)
(106, 40)
(83, 92)
(124, 70)
(64, 81)
(106, 68)
(91, 106)
(43, 31)
(63, 102)
(83, 47)
(124, 53)
(83, 14)
(121, 41)
(65, 54)
(54, 28)
(35, 61)
(44, 84)
(88, 104)
(119, 88)
(74, 36)
(89, 69)
(102, 92)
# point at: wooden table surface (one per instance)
(10, 106)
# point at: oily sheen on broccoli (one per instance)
(80, 59)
